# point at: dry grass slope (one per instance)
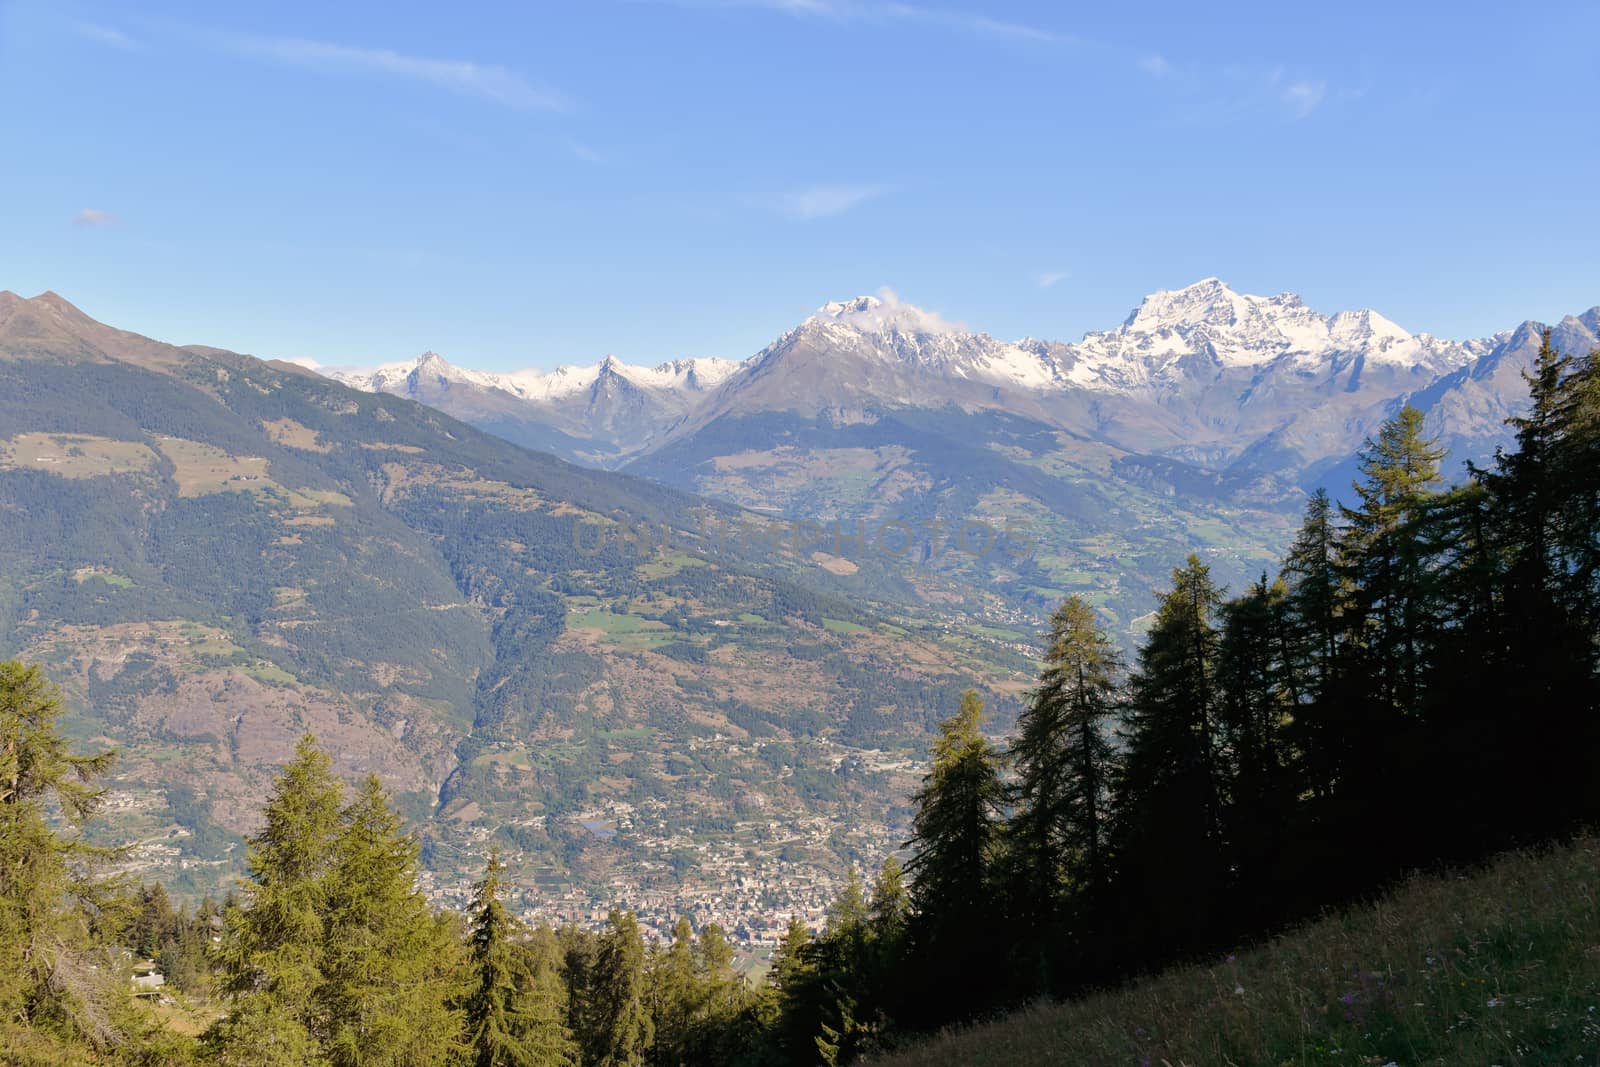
(1496, 966)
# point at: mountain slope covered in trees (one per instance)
(213, 554)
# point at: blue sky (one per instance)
(529, 184)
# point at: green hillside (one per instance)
(1493, 966)
(213, 555)
(1005, 512)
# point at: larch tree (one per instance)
(1063, 760)
(1310, 642)
(1256, 702)
(390, 965)
(59, 998)
(1384, 554)
(955, 833)
(510, 1020)
(675, 996)
(623, 1030)
(889, 907)
(272, 950)
(1169, 795)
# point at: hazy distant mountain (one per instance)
(1226, 381)
(1196, 424)
(595, 413)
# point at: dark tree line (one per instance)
(1420, 684)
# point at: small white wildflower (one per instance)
(1238, 990)
(1494, 1002)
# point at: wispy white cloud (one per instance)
(982, 25)
(1304, 97)
(486, 81)
(90, 216)
(586, 153)
(483, 80)
(1050, 279)
(890, 11)
(1156, 66)
(826, 201)
(1219, 91)
(888, 310)
(109, 36)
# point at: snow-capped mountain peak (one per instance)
(1234, 329)
(1228, 362)
(882, 314)
(1209, 300)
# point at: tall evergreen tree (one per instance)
(1384, 552)
(675, 997)
(1579, 530)
(390, 966)
(842, 960)
(1310, 643)
(721, 999)
(1063, 759)
(794, 976)
(1537, 649)
(847, 930)
(1311, 573)
(889, 907)
(333, 956)
(1169, 819)
(955, 832)
(510, 1021)
(1256, 703)
(622, 1029)
(1388, 553)
(954, 829)
(58, 1001)
(272, 950)
(542, 999)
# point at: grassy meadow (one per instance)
(1499, 965)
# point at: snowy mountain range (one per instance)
(1204, 375)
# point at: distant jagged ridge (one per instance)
(1204, 374)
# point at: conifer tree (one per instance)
(1384, 554)
(580, 951)
(675, 996)
(1388, 553)
(889, 908)
(954, 829)
(390, 966)
(714, 957)
(846, 931)
(790, 960)
(1256, 703)
(721, 996)
(272, 951)
(510, 1018)
(1310, 643)
(543, 998)
(794, 976)
(1579, 529)
(623, 1029)
(1063, 761)
(1169, 825)
(58, 998)
(1536, 650)
(955, 832)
